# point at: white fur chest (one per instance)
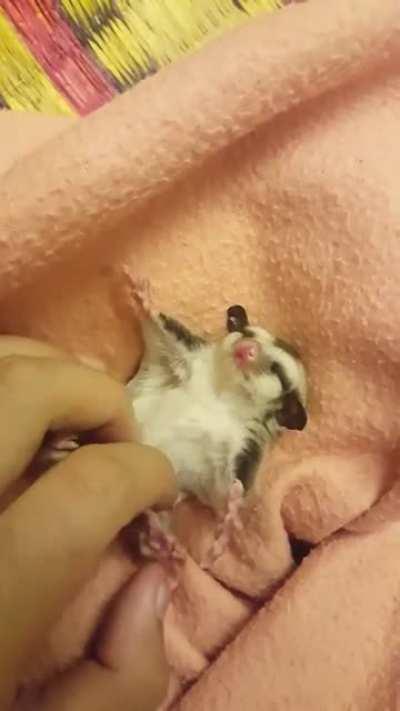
(199, 430)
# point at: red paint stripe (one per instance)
(56, 48)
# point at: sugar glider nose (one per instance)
(246, 353)
(236, 319)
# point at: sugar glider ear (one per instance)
(236, 318)
(292, 415)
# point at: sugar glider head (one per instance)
(268, 370)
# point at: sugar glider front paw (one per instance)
(140, 293)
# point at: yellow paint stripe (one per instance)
(80, 11)
(23, 83)
(156, 32)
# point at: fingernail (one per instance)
(162, 600)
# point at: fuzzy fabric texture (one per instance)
(272, 182)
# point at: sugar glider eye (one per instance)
(292, 414)
(236, 319)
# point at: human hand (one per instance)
(56, 529)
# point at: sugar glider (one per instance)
(213, 406)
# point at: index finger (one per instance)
(39, 394)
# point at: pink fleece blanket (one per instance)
(263, 170)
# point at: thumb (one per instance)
(130, 670)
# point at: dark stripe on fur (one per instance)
(181, 333)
